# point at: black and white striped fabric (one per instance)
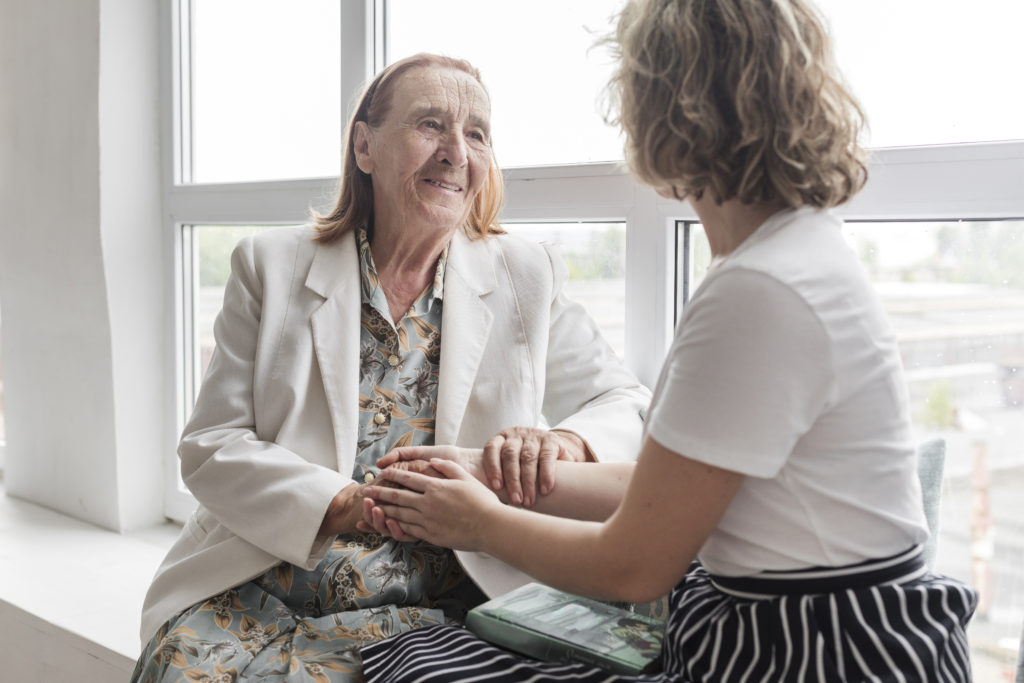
(883, 620)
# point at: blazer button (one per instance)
(379, 418)
(393, 360)
(368, 477)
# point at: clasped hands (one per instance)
(517, 464)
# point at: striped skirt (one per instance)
(882, 620)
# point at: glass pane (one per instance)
(595, 254)
(693, 258)
(928, 72)
(955, 295)
(210, 266)
(539, 64)
(266, 91)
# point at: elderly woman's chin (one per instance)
(444, 215)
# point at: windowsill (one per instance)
(78, 584)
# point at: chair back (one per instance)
(931, 460)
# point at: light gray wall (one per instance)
(80, 260)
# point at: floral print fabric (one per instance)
(295, 625)
(399, 367)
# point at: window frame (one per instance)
(919, 183)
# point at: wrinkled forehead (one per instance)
(442, 90)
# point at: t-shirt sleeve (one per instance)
(747, 375)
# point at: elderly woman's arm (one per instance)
(270, 496)
(594, 404)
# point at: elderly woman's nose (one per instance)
(453, 149)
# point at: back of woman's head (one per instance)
(739, 98)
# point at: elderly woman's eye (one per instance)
(433, 125)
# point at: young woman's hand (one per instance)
(417, 459)
(453, 512)
(518, 462)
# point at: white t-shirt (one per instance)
(784, 367)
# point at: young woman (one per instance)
(778, 449)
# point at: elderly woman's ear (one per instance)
(361, 139)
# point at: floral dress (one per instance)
(291, 624)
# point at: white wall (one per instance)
(80, 264)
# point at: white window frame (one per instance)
(948, 182)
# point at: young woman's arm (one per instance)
(587, 493)
(671, 506)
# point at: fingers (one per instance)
(414, 481)
(368, 523)
(393, 527)
(399, 532)
(492, 461)
(376, 521)
(404, 453)
(450, 469)
(549, 452)
(510, 451)
(387, 495)
(522, 461)
(528, 460)
(421, 467)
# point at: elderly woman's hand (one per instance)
(522, 461)
(347, 513)
(515, 461)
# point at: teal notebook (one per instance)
(553, 626)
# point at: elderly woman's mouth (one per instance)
(444, 185)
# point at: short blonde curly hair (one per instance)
(739, 98)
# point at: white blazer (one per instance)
(273, 435)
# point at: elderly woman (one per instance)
(405, 317)
(778, 449)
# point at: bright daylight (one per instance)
(662, 340)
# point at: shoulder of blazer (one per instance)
(272, 251)
(531, 265)
(289, 255)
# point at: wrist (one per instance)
(344, 510)
(574, 446)
(491, 518)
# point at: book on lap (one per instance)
(554, 626)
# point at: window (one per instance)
(251, 168)
(265, 90)
(595, 254)
(207, 251)
(536, 121)
(928, 72)
(954, 292)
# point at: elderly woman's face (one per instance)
(430, 157)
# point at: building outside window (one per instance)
(254, 140)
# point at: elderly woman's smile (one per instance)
(430, 156)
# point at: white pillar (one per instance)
(80, 266)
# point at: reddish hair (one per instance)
(354, 205)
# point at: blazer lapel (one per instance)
(465, 327)
(334, 274)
